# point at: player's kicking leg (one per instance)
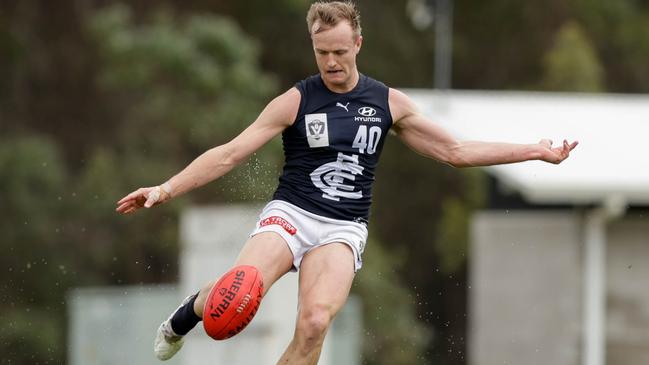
(265, 251)
(326, 276)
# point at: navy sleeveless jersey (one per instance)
(333, 147)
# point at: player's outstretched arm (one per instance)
(432, 141)
(218, 161)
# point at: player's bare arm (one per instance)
(218, 161)
(430, 140)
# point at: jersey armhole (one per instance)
(300, 86)
(387, 105)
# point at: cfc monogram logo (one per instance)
(331, 178)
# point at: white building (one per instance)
(565, 280)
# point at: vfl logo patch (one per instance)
(317, 133)
(367, 111)
(316, 129)
(288, 227)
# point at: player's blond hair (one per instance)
(327, 14)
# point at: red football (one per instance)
(233, 302)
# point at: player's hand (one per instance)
(143, 197)
(556, 155)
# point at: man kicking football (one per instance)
(333, 126)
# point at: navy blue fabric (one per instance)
(330, 172)
(184, 319)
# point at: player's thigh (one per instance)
(326, 276)
(267, 252)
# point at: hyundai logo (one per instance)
(366, 111)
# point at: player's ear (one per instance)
(358, 43)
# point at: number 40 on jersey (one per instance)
(367, 139)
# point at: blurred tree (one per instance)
(392, 332)
(572, 64)
(169, 89)
(47, 88)
(394, 51)
(421, 211)
(35, 256)
(499, 44)
(620, 36)
(176, 88)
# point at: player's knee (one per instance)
(313, 322)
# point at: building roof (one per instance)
(611, 163)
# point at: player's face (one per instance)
(335, 53)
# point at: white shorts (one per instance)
(304, 231)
